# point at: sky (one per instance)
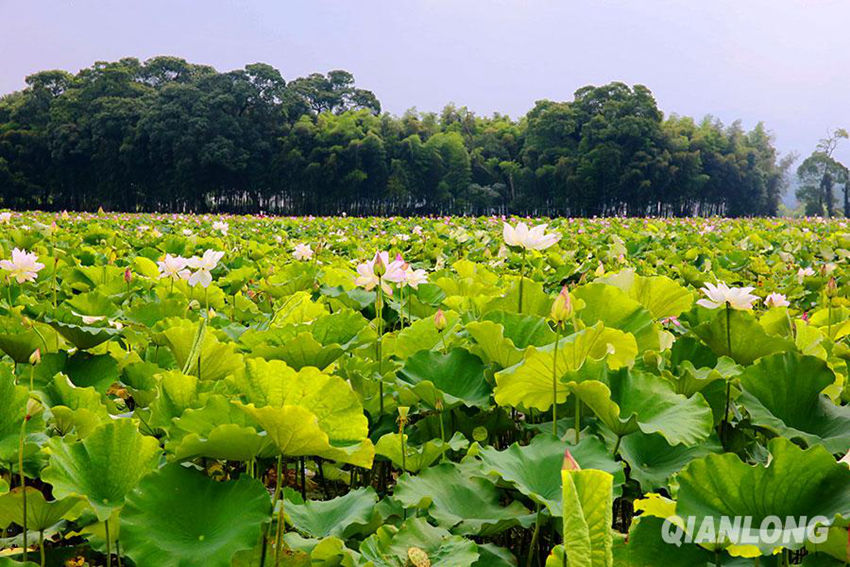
(783, 62)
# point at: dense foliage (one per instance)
(203, 390)
(167, 135)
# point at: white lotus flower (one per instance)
(5, 217)
(187, 232)
(24, 266)
(89, 319)
(804, 273)
(303, 252)
(411, 277)
(721, 294)
(534, 239)
(776, 300)
(203, 266)
(173, 267)
(368, 277)
(221, 226)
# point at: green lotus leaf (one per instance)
(41, 514)
(630, 401)
(103, 467)
(178, 517)
(217, 359)
(782, 393)
(535, 300)
(300, 351)
(490, 555)
(660, 295)
(13, 410)
(151, 313)
(297, 432)
(646, 548)
(19, 341)
(522, 329)
(652, 461)
(219, 430)
(617, 310)
(81, 335)
(529, 383)
(587, 517)
(93, 304)
(748, 339)
(344, 517)
(339, 328)
(417, 457)
(389, 546)
(795, 483)
(535, 469)
(463, 505)
(455, 378)
(421, 335)
(491, 345)
(176, 392)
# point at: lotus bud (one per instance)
(128, 275)
(562, 307)
(831, 288)
(403, 412)
(440, 321)
(570, 463)
(379, 268)
(26, 322)
(35, 357)
(33, 409)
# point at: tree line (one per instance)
(168, 135)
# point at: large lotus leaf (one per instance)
(421, 335)
(492, 345)
(748, 339)
(617, 310)
(81, 335)
(339, 328)
(529, 383)
(61, 395)
(344, 516)
(99, 371)
(13, 410)
(464, 505)
(456, 378)
(219, 430)
(41, 514)
(19, 341)
(652, 461)
(300, 351)
(93, 304)
(327, 552)
(660, 295)
(535, 300)
(490, 555)
(176, 392)
(298, 432)
(587, 517)
(389, 546)
(178, 517)
(151, 313)
(523, 330)
(646, 548)
(535, 469)
(796, 483)
(782, 393)
(103, 467)
(217, 359)
(417, 457)
(636, 401)
(328, 397)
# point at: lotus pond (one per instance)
(184, 390)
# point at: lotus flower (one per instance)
(379, 271)
(721, 295)
(534, 239)
(173, 267)
(24, 266)
(221, 226)
(303, 252)
(203, 266)
(776, 300)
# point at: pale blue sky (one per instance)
(780, 61)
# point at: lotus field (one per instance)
(182, 390)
